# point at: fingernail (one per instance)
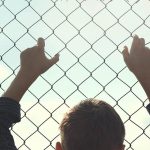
(125, 47)
(135, 36)
(41, 42)
(57, 55)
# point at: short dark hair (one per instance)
(92, 125)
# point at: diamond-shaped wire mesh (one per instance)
(89, 35)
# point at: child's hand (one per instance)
(34, 61)
(138, 59)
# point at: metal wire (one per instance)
(92, 44)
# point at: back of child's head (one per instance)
(92, 125)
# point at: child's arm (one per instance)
(33, 64)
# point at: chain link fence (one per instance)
(89, 35)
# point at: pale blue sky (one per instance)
(100, 39)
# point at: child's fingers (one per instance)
(41, 43)
(135, 43)
(142, 43)
(125, 53)
(53, 60)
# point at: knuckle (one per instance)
(23, 53)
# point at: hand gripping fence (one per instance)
(89, 35)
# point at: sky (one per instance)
(89, 36)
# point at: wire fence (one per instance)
(89, 35)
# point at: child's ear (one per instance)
(123, 147)
(58, 146)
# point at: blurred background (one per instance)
(89, 35)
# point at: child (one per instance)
(90, 125)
